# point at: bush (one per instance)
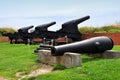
(87, 30)
(6, 30)
(104, 29)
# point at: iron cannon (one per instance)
(69, 29)
(44, 26)
(92, 45)
(25, 29)
(71, 26)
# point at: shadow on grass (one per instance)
(86, 58)
(38, 61)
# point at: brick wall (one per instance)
(4, 39)
(115, 36)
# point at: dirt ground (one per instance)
(1, 78)
(43, 70)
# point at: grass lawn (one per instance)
(92, 69)
(19, 58)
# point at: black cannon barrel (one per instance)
(72, 26)
(76, 21)
(92, 45)
(25, 29)
(44, 26)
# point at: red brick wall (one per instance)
(115, 36)
(4, 39)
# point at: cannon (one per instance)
(13, 37)
(44, 26)
(92, 45)
(25, 35)
(42, 30)
(25, 29)
(70, 28)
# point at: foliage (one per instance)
(6, 30)
(104, 29)
(87, 29)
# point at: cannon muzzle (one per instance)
(92, 45)
(44, 26)
(77, 21)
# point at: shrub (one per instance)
(104, 29)
(6, 30)
(87, 29)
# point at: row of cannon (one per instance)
(69, 29)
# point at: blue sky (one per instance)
(21, 13)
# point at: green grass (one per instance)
(91, 69)
(116, 48)
(19, 58)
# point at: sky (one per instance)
(23, 13)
